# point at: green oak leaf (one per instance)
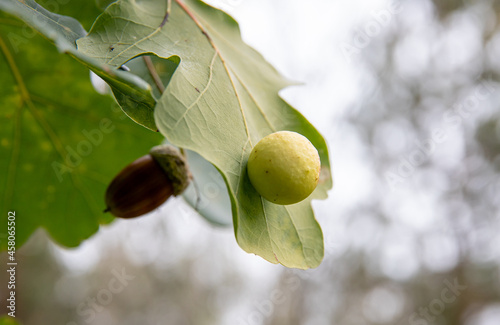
(132, 93)
(61, 142)
(221, 100)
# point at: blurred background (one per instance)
(407, 94)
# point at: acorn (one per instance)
(148, 182)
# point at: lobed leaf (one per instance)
(61, 142)
(220, 101)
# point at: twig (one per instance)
(154, 74)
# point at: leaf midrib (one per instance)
(237, 50)
(11, 176)
(209, 82)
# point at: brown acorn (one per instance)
(147, 183)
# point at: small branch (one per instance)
(154, 74)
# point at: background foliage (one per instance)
(61, 141)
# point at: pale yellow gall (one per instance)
(284, 167)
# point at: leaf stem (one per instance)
(154, 74)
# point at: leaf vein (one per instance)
(202, 93)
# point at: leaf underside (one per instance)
(221, 100)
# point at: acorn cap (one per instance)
(175, 166)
